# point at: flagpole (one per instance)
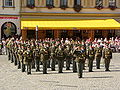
(37, 32)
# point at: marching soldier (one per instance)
(98, 51)
(60, 57)
(28, 58)
(107, 55)
(73, 59)
(53, 57)
(80, 59)
(22, 58)
(44, 57)
(37, 58)
(91, 57)
(68, 56)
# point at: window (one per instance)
(112, 3)
(99, 3)
(77, 2)
(63, 2)
(31, 3)
(49, 2)
(8, 3)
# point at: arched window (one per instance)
(99, 4)
(49, 2)
(8, 29)
(77, 2)
(63, 3)
(30, 3)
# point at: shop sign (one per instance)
(8, 17)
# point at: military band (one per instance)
(47, 53)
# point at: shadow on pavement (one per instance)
(100, 77)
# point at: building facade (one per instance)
(65, 10)
(9, 18)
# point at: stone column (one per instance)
(105, 3)
(43, 3)
(70, 3)
(57, 3)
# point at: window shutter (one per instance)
(57, 3)
(70, 3)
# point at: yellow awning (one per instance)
(71, 24)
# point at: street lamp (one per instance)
(37, 32)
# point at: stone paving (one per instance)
(13, 79)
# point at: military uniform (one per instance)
(28, 58)
(91, 57)
(107, 55)
(44, 58)
(53, 57)
(37, 58)
(60, 57)
(68, 57)
(80, 59)
(98, 55)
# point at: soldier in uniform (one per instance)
(53, 57)
(37, 58)
(28, 54)
(107, 55)
(44, 57)
(80, 59)
(15, 53)
(68, 56)
(60, 57)
(73, 59)
(22, 57)
(98, 51)
(91, 57)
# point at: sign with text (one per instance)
(8, 17)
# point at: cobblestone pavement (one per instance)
(13, 79)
